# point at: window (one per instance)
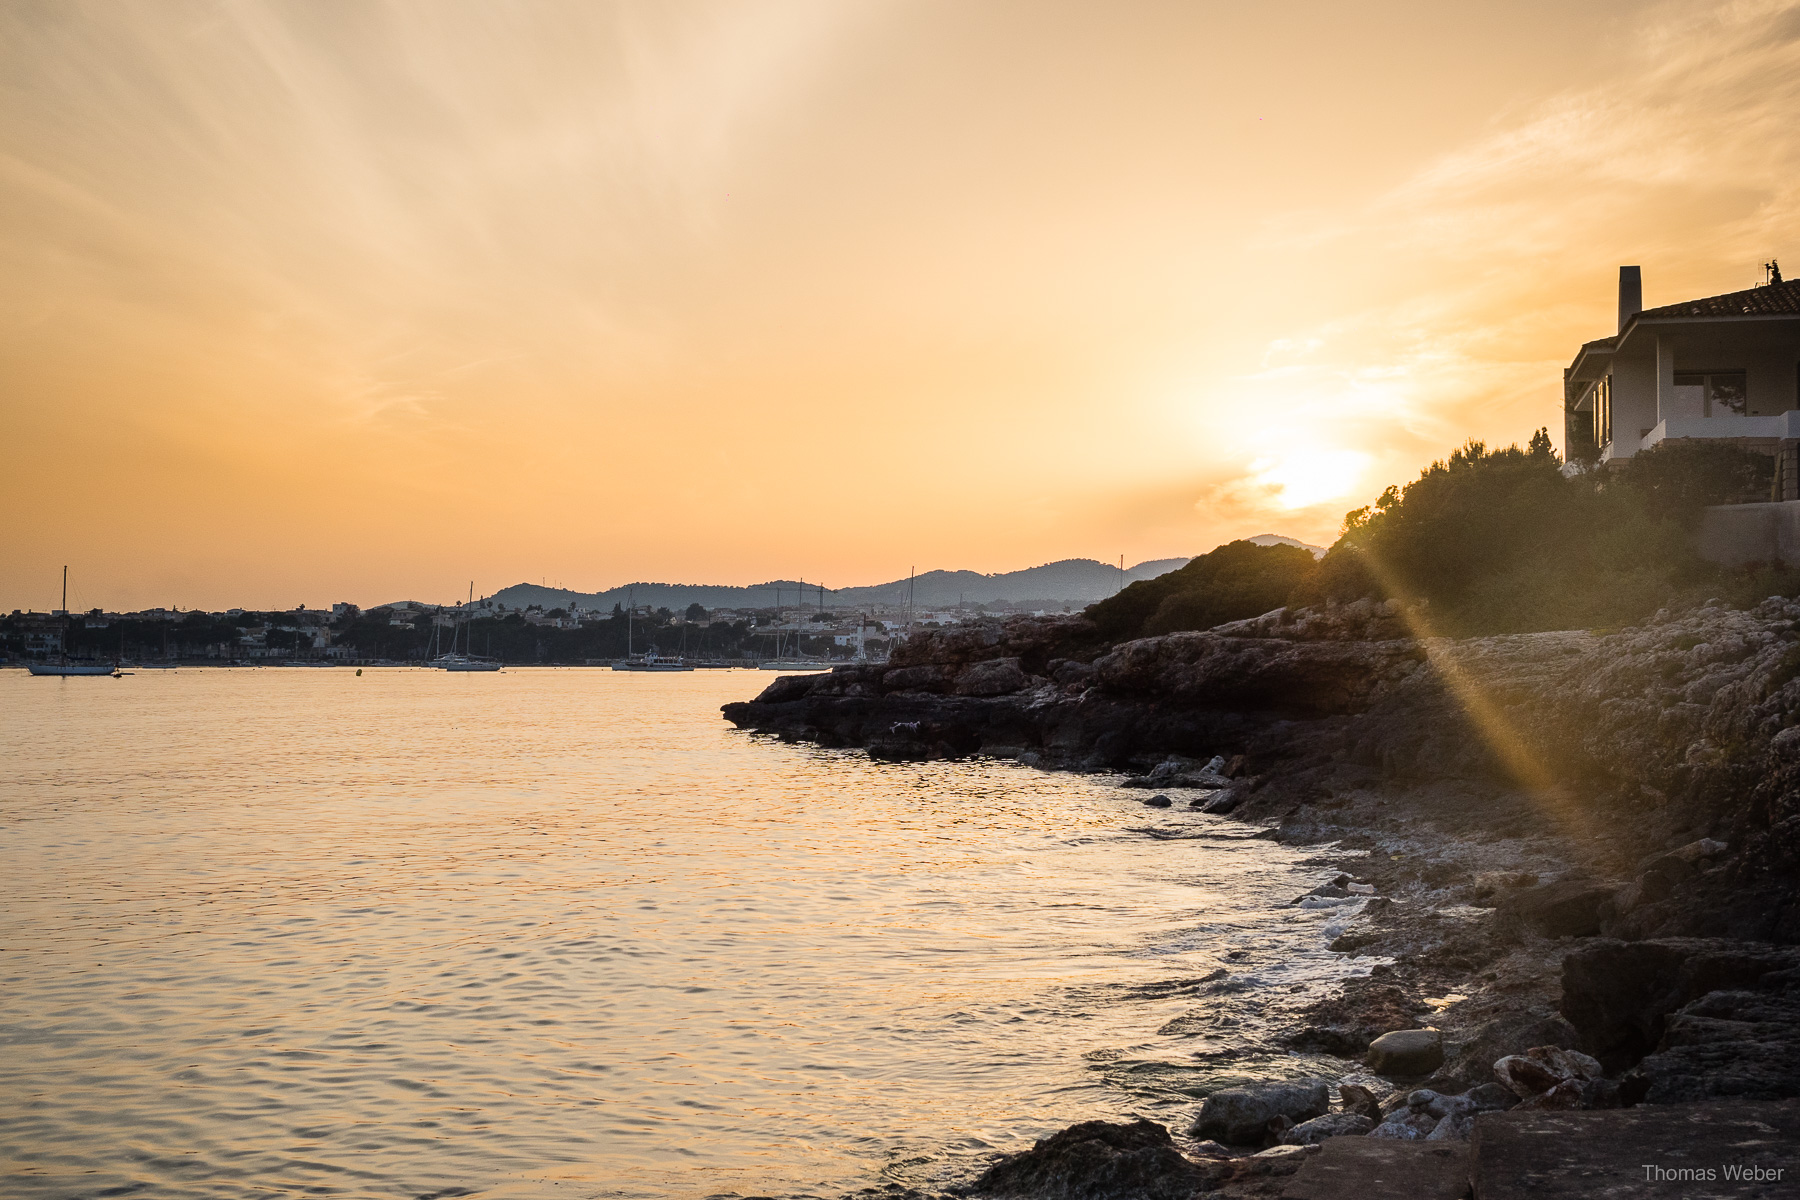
(1603, 411)
(1723, 392)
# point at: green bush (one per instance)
(1235, 581)
(1504, 541)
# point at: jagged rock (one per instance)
(1360, 1100)
(1542, 1068)
(1241, 1115)
(1097, 1160)
(1565, 908)
(1345, 1024)
(927, 677)
(1406, 1126)
(787, 688)
(1514, 1033)
(995, 677)
(1406, 1052)
(1727, 1045)
(1340, 1124)
(1618, 994)
(1491, 1097)
(1222, 802)
(1452, 1127)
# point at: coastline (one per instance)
(1583, 839)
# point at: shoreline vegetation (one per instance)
(1555, 756)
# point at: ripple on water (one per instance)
(553, 933)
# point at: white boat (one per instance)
(62, 665)
(462, 662)
(650, 660)
(69, 668)
(653, 662)
(453, 661)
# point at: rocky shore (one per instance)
(1576, 865)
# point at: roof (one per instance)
(1770, 299)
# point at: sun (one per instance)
(1302, 478)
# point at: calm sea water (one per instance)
(565, 933)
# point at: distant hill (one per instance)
(1275, 539)
(1072, 583)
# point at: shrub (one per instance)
(1235, 581)
(1505, 541)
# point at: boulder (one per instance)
(1339, 1124)
(995, 677)
(1097, 1160)
(1359, 1099)
(1406, 1052)
(1241, 1115)
(1542, 1068)
(1479, 1049)
(1565, 908)
(1454, 1127)
(1221, 802)
(1406, 1126)
(1159, 802)
(1618, 994)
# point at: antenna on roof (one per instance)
(1774, 272)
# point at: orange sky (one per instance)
(352, 300)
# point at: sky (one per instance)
(361, 300)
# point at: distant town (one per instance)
(532, 624)
(409, 632)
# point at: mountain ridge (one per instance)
(1071, 582)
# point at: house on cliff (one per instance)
(1724, 367)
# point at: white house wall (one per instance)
(1633, 404)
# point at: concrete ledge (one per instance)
(1744, 1151)
(1735, 534)
(1365, 1168)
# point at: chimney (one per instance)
(1631, 294)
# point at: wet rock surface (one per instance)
(1243, 1115)
(1097, 1160)
(1406, 1052)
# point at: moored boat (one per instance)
(71, 668)
(62, 665)
(652, 662)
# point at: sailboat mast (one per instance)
(64, 640)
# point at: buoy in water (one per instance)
(359, 672)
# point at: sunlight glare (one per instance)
(1303, 478)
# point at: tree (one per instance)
(695, 612)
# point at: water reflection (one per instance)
(564, 933)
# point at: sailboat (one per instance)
(650, 660)
(465, 661)
(798, 660)
(62, 665)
